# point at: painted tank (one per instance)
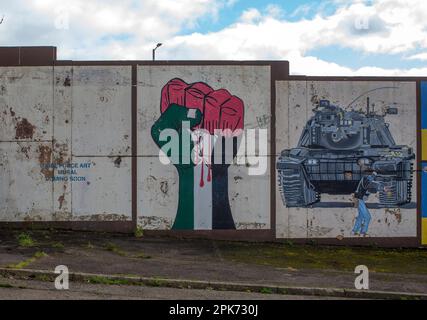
(336, 149)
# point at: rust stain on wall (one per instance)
(396, 213)
(45, 156)
(24, 129)
(61, 153)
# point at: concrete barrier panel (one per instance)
(101, 111)
(230, 198)
(54, 122)
(26, 130)
(300, 214)
(101, 143)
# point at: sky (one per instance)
(330, 37)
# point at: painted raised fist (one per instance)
(215, 119)
(220, 109)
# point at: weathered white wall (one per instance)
(158, 184)
(294, 108)
(82, 114)
(101, 135)
(26, 129)
(60, 115)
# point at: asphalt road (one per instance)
(12, 289)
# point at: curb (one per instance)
(46, 275)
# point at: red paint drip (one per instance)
(209, 159)
(202, 182)
(209, 172)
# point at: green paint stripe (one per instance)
(185, 214)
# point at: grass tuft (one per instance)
(25, 240)
(266, 291)
(114, 248)
(108, 281)
(139, 232)
(25, 263)
(300, 257)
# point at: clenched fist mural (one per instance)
(198, 130)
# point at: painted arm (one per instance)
(173, 118)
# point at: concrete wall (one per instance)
(68, 147)
(78, 149)
(51, 117)
(158, 184)
(334, 216)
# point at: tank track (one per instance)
(294, 186)
(399, 192)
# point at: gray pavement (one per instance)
(13, 289)
(206, 260)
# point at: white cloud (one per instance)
(250, 15)
(128, 29)
(366, 28)
(97, 27)
(419, 56)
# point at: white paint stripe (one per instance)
(202, 199)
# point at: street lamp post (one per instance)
(154, 50)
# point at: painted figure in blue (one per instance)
(361, 195)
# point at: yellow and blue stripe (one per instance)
(424, 162)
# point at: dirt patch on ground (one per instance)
(259, 263)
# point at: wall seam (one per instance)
(134, 133)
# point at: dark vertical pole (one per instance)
(154, 54)
(278, 71)
(134, 123)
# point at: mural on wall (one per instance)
(337, 150)
(346, 156)
(215, 119)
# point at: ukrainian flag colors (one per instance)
(424, 162)
(424, 144)
(424, 231)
